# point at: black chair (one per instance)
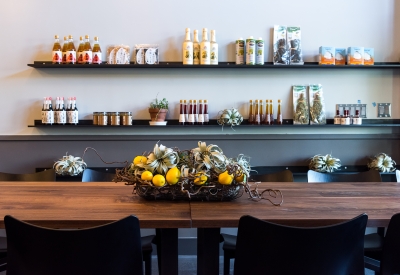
(390, 260)
(113, 248)
(267, 248)
(229, 245)
(373, 242)
(47, 175)
(90, 175)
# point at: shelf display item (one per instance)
(213, 49)
(79, 52)
(97, 58)
(281, 53)
(205, 48)
(187, 49)
(357, 120)
(267, 119)
(200, 116)
(205, 112)
(146, 54)
(300, 104)
(262, 114)
(72, 111)
(126, 118)
(369, 56)
(57, 52)
(382, 162)
(250, 51)
(279, 118)
(87, 51)
(251, 112)
(340, 56)
(317, 104)
(60, 116)
(345, 119)
(240, 51)
(64, 50)
(324, 164)
(337, 118)
(326, 55)
(196, 48)
(71, 51)
(355, 56)
(271, 112)
(259, 51)
(182, 112)
(118, 54)
(47, 111)
(294, 42)
(257, 119)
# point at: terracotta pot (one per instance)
(158, 114)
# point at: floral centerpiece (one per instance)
(202, 173)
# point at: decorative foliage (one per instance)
(209, 157)
(324, 164)
(161, 159)
(382, 162)
(159, 104)
(230, 117)
(69, 166)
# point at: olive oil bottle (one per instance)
(196, 48)
(96, 51)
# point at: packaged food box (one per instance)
(326, 55)
(146, 54)
(300, 105)
(340, 56)
(369, 58)
(294, 43)
(355, 56)
(317, 104)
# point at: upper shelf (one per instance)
(221, 65)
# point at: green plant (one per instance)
(159, 104)
(69, 166)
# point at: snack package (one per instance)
(317, 104)
(294, 43)
(340, 56)
(118, 54)
(369, 56)
(281, 52)
(355, 56)
(326, 55)
(146, 54)
(300, 105)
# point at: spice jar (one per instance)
(102, 118)
(126, 118)
(96, 118)
(114, 118)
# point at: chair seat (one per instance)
(146, 243)
(373, 242)
(229, 242)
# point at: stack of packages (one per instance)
(287, 46)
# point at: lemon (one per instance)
(225, 178)
(139, 160)
(173, 175)
(147, 175)
(240, 178)
(200, 179)
(158, 180)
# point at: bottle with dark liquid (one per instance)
(271, 111)
(79, 58)
(337, 118)
(71, 51)
(64, 50)
(251, 112)
(257, 113)
(205, 112)
(279, 119)
(44, 109)
(182, 113)
(69, 111)
(50, 114)
(56, 110)
(357, 120)
(75, 112)
(96, 51)
(62, 115)
(57, 52)
(87, 51)
(267, 119)
(191, 113)
(201, 113)
(196, 114)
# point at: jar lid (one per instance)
(102, 113)
(113, 113)
(96, 113)
(125, 113)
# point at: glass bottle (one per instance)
(262, 115)
(96, 51)
(75, 110)
(69, 111)
(64, 50)
(196, 114)
(213, 49)
(201, 113)
(44, 109)
(196, 48)
(271, 112)
(186, 108)
(181, 113)
(357, 120)
(62, 116)
(56, 110)
(87, 51)
(187, 49)
(267, 120)
(50, 114)
(251, 112)
(257, 113)
(337, 118)
(57, 52)
(191, 113)
(205, 49)
(71, 51)
(279, 119)
(79, 58)
(205, 112)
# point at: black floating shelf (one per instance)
(213, 124)
(221, 65)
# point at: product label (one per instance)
(337, 120)
(71, 57)
(43, 117)
(182, 118)
(61, 117)
(79, 57)
(201, 118)
(191, 118)
(357, 120)
(279, 119)
(205, 54)
(239, 52)
(48, 117)
(188, 53)
(87, 57)
(72, 117)
(196, 117)
(57, 57)
(268, 119)
(214, 55)
(260, 52)
(206, 118)
(196, 53)
(272, 119)
(64, 57)
(96, 58)
(250, 51)
(257, 119)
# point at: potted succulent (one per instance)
(158, 109)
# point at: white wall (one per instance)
(27, 29)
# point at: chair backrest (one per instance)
(268, 248)
(46, 175)
(390, 262)
(93, 175)
(368, 176)
(114, 248)
(282, 176)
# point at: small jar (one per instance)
(114, 117)
(126, 118)
(96, 118)
(103, 118)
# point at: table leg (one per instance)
(167, 250)
(208, 251)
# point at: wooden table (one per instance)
(305, 204)
(80, 205)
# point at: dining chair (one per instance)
(113, 248)
(229, 245)
(47, 175)
(90, 175)
(267, 248)
(390, 259)
(398, 175)
(372, 242)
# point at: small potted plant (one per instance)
(158, 109)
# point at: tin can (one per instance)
(114, 118)
(259, 51)
(240, 51)
(250, 51)
(126, 118)
(102, 118)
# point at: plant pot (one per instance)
(158, 114)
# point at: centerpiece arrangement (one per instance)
(202, 173)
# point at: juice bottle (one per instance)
(96, 51)
(87, 51)
(71, 51)
(64, 50)
(79, 54)
(57, 52)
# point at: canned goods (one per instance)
(126, 118)
(250, 51)
(259, 51)
(102, 118)
(114, 118)
(240, 51)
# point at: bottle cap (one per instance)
(205, 29)
(200, 101)
(86, 36)
(96, 38)
(251, 101)
(56, 36)
(187, 29)
(70, 36)
(260, 38)
(181, 101)
(251, 37)
(195, 31)
(240, 38)
(205, 100)
(184, 101)
(65, 38)
(279, 101)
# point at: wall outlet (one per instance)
(384, 109)
(352, 108)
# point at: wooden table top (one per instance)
(306, 204)
(80, 205)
